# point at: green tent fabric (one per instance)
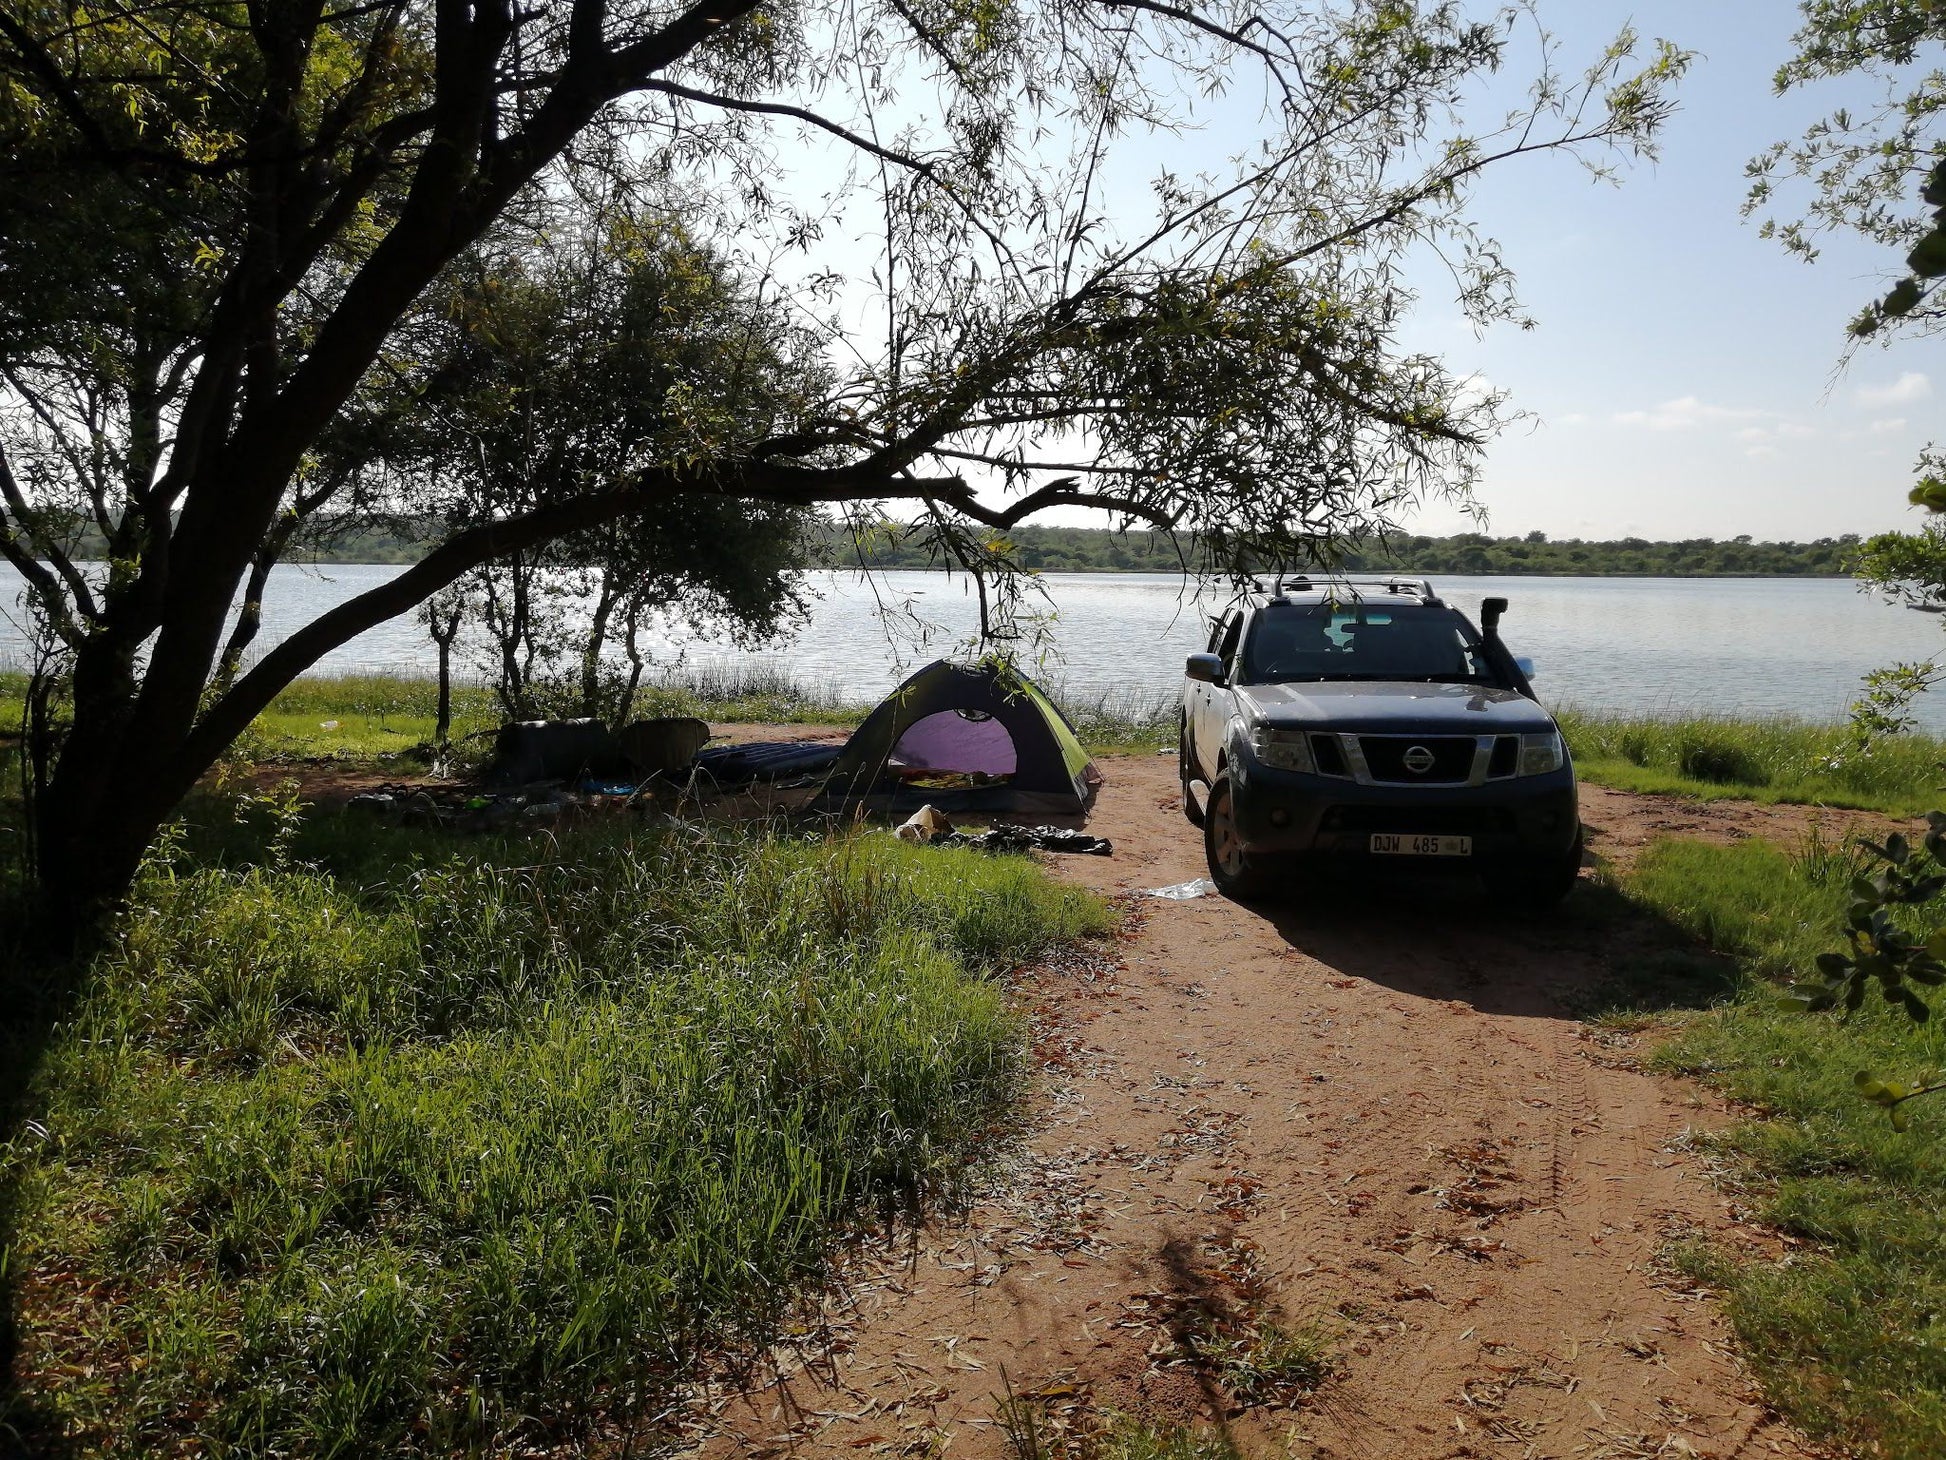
(978, 737)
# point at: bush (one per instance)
(1721, 762)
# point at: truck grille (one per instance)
(1385, 756)
(1328, 756)
(1506, 757)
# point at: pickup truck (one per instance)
(1365, 722)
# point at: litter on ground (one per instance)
(1183, 891)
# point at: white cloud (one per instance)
(1909, 387)
(1572, 418)
(1796, 431)
(1686, 414)
(1887, 427)
(1763, 453)
(1753, 433)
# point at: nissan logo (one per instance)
(1418, 760)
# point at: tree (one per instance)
(1880, 172)
(224, 218)
(611, 346)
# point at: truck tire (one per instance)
(1185, 761)
(1237, 875)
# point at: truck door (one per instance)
(1212, 716)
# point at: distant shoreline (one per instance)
(1103, 572)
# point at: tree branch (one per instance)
(797, 113)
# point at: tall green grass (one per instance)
(458, 1150)
(1848, 1331)
(1762, 759)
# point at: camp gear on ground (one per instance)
(965, 737)
(1030, 838)
(554, 750)
(767, 760)
(662, 747)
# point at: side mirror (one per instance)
(1490, 611)
(1205, 667)
(1524, 665)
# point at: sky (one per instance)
(1684, 377)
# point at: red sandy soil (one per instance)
(1375, 1113)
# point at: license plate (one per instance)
(1396, 845)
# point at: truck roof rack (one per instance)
(1399, 583)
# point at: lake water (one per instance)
(1680, 645)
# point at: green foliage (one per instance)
(1880, 949)
(1906, 567)
(1879, 172)
(1844, 1332)
(435, 1146)
(1771, 760)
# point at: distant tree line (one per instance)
(1096, 550)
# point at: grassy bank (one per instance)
(377, 1143)
(1757, 759)
(1848, 1331)
(368, 717)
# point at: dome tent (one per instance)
(979, 737)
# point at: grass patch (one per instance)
(458, 1146)
(1126, 721)
(1040, 1427)
(370, 716)
(1849, 1334)
(1770, 760)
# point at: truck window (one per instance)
(1232, 631)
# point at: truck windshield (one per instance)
(1350, 641)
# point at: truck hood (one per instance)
(1449, 709)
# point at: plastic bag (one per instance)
(1183, 891)
(924, 825)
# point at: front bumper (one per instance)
(1515, 817)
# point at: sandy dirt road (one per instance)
(1376, 1115)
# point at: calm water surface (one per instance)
(1680, 645)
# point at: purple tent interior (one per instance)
(957, 741)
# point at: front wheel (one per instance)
(1236, 873)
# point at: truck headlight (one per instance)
(1286, 750)
(1540, 754)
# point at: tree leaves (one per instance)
(1860, 166)
(1880, 951)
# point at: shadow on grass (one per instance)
(37, 994)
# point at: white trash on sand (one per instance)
(1183, 891)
